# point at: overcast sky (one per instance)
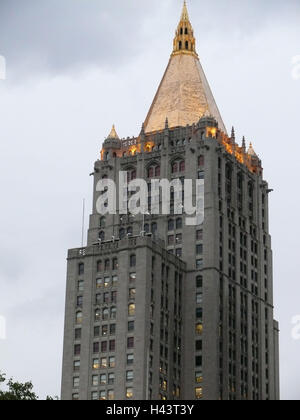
(75, 67)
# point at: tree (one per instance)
(17, 391)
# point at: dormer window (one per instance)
(186, 45)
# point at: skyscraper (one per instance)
(157, 308)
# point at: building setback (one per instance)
(157, 309)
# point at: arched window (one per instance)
(99, 266)
(182, 166)
(130, 231)
(133, 174)
(174, 168)
(79, 317)
(97, 315)
(132, 261)
(102, 222)
(180, 45)
(80, 269)
(201, 160)
(147, 228)
(105, 314)
(107, 265)
(154, 227)
(181, 31)
(122, 233)
(102, 235)
(115, 264)
(186, 45)
(151, 172)
(171, 225)
(186, 31)
(157, 171)
(179, 223)
(113, 313)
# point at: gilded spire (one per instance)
(184, 41)
(251, 151)
(113, 134)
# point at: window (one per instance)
(95, 380)
(200, 175)
(113, 312)
(110, 395)
(115, 280)
(199, 312)
(199, 235)
(103, 363)
(199, 264)
(79, 317)
(112, 345)
(199, 345)
(102, 235)
(122, 233)
(75, 397)
(80, 269)
(97, 315)
(105, 314)
(104, 331)
(171, 240)
(76, 365)
(130, 359)
(132, 293)
(106, 282)
(102, 395)
(80, 286)
(179, 252)
(132, 261)
(102, 223)
(199, 393)
(175, 168)
(105, 297)
(198, 361)
(199, 249)
(179, 223)
(179, 238)
(129, 376)
(96, 364)
(154, 227)
(201, 161)
(107, 265)
(186, 45)
(99, 266)
(76, 382)
(130, 342)
(77, 350)
(104, 347)
(151, 172)
(114, 297)
(199, 282)
(131, 309)
(103, 379)
(132, 277)
(79, 301)
(129, 393)
(131, 326)
(130, 231)
(157, 171)
(111, 378)
(115, 264)
(94, 396)
(199, 329)
(182, 166)
(78, 334)
(112, 362)
(98, 283)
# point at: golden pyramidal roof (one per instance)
(113, 134)
(184, 95)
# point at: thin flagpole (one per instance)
(83, 218)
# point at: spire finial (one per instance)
(185, 13)
(233, 133)
(184, 42)
(167, 123)
(113, 134)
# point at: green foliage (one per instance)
(17, 391)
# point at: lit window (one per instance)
(110, 395)
(102, 395)
(103, 363)
(132, 277)
(112, 362)
(104, 330)
(199, 329)
(98, 283)
(129, 393)
(131, 309)
(129, 376)
(79, 317)
(97, 315)
(132, 293)
(95, 380)
(96, 364)
(199, 377)
(199, 393)
(76, 382)
(106, 282)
